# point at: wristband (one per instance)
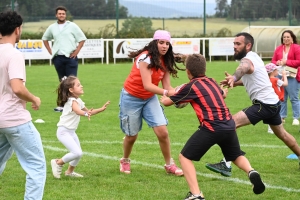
(86, 114)
(234, 79)
(165, 93)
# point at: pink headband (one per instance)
(162, 35)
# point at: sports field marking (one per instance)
(114, 158)
(173, 143)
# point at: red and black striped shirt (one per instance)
(206, 98)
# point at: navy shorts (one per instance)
(268, 113)
(202, 140)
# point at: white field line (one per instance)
(155, 143)
(114, 158)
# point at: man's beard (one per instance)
(240, 55)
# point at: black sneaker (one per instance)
(58, 109)
(190, 196)
(219, 168)
(258, 185)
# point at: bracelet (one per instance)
(165, 93)
(86, 114)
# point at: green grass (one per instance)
(101, 140)
(175, 26)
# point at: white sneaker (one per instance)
(56, 169)
(74, 174)
(295, 122)
(270, 130)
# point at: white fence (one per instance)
(94, 48)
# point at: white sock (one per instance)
(228, 163)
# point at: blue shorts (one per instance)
(133, 110)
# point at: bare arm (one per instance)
(75, 53)
(245, 67)
(166, 101)
(46, 44)
(284, 78)
(147, 80)
(22, 92)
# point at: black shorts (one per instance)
(201, 141)
(268, 113)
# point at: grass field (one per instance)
(176, 27)
(101, 140)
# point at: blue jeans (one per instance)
(291, 91)
(65, 66)
(25, 140)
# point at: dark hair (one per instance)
(60, 8)
(248, 38)
(9, 21)
(153, 52)
(292, 35)
(196, 64)
(63, 92)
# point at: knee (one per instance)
(78, 154)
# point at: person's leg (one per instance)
(287, 138)
(6, 151)
(243, 163)
(190, 175)
(66, 137)
(71, 66)
(60, 67)
(27, 143)
(75, 162)
(154, 115)
(293, 91)
(283, 110)
(130, 123)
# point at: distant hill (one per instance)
(167, 8)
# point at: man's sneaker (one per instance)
(220, 168)
(56, 169)
(125, 165)
(173, 169)
(258, 185)
(58, 109)
(74, 174)
(295, 122)
(270, 130)
(191, 196)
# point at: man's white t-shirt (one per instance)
(12, 66)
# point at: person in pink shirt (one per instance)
(288, 54)
(17, 132)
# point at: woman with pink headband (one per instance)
(153, 64)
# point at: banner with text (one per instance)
(92, 48)
(33, 49)
(122, 47)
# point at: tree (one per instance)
(222, 8)
(136, 27)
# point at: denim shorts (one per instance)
(133, 110)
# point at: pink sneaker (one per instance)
(125, 165)
(173, 169)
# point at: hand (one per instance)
(36, 103)
(162, 98)
(229, 80)
(73, 54)
(278, 63)
(179, 57)
(225, 91)
(89, 112)
(105, 105)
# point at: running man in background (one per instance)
(251, 74)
